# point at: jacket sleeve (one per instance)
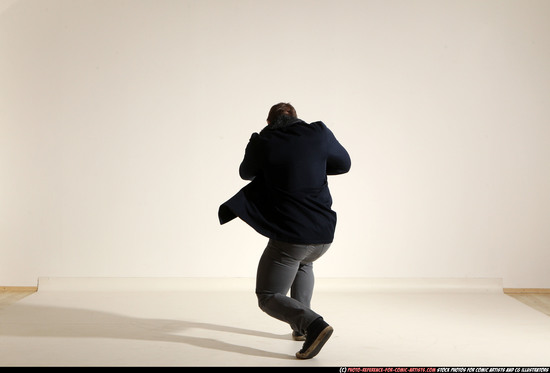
(338, 159)
(251, 164)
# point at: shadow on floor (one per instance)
(46, 321)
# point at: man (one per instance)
(289, 202)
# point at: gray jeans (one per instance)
(283, 267)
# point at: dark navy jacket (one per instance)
(288, 198)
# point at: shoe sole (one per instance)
(317, 345)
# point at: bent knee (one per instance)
(263, 299)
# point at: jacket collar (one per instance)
(283, 121)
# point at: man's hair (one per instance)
(279, 110)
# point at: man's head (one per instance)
(279, 110)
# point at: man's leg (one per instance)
(277, 271)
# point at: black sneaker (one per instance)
(297, 336)
(317, 335)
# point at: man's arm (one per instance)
(338, 160)
(250, 166)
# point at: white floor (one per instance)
(216, 322)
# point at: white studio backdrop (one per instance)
(123, 123)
